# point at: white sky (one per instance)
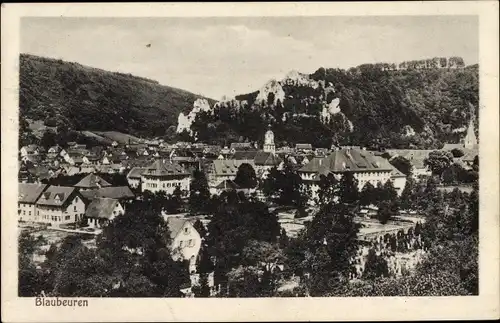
(228, 56)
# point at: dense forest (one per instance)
(420, 105)
(85, 98)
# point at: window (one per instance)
(29, 213)
(186, 230)
(24, 212)
(67, 217)
(191, 242)
(181, 244)
(74, 208)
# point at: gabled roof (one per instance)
(229, 167)
(167, 168)
(267, 159)
(29, 192)
(227, 184)
(245, 154)
(136, 172)
(345, 160)
(175, 225)
(114, 192)
(237, 145)
(92, 181)
(56, 195)
(415, 156)
(101, 208)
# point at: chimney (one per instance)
(320, 161)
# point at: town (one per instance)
(245, 220)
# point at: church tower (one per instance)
(470, 140)
(269, 141)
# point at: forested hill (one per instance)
(419, 104)
(85, 98)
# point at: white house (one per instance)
(101, 211)
(60, 204)
(365, 167)
(186, 241)
(164, 176)
(28, 194)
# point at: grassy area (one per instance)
(121, 138)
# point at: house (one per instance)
(365, 167)
(397, 177)
(28, 194)
(30, 150)
(120, 193)
(114, 144)
(226, 185)
(101, 211)
(240, 145)
(417, 159)
(73, 158)
(164, 176)
(91, 159)
(134, 176)
(264, 161)
(305, 148)
(34, 160)
(225, 169)
(90, 182)
(186, 241)
(60, 204)
(54, 151)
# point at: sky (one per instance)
(227, 56)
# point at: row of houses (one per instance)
(92, 201)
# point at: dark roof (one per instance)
(136, 172)
(267, 159)
(115, 192)
(56, 195)
(303, 146)
(245, 154)
(345, 160)
(164, 168)
(415, 156)
(92, 181)
(175, 225)
(236, 145)
(226, 167)
(101, 208)
(29, 192)
(227, 184)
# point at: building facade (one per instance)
(60, 205)
(165, 176)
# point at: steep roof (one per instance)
(267, 159)
(101, 208)
(115, 192)
(227, 167)
(227, 184)
(167, 168)
(415, 156)
(245, 154)
(136, 172)
(92, 181)
(56, 195)
(345, 160)
(175, 225)
(29, 192)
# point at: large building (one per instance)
(27, 196)
(164, 176)
(366, 167)
(59, 205)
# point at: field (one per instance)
(119, 137)
(100, 139)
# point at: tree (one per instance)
(438, 161)
(386, 210)
(376, 266)
(199, 195)
(202, 290)
(331, 245)
(245, 176)
(457, 153)
(48, 139)
(30, 281)
(348, 191)
(367, 194)
(198, 225)
(328, 189)
(402, 164)
(406, 199)
(174, 202)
